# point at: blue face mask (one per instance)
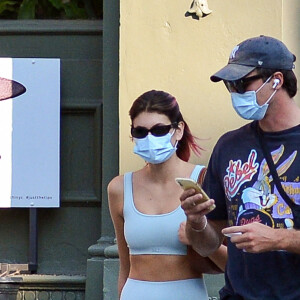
(246, 104)
(155, 149)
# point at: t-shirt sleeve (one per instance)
(213, 185)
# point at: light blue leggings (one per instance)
(188, 289)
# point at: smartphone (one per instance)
(188, 183)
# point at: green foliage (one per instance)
(51, 9)
(27, 9)
(7, 6)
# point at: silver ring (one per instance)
(194, 204)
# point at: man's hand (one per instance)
(254, 237)
(194, 208)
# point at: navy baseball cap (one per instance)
(258, 52)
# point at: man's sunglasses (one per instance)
(240, 85)
(157, 130)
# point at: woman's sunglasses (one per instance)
(240, 86)
(157, 130)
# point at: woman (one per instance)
(145, 207)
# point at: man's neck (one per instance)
(282, 114)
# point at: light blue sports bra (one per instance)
(152, 234)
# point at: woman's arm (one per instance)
(219, 257)
(115, 192)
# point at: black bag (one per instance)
(233, 297)
(227, 295)
(294, 207)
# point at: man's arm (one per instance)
(208, 240)
(205, 237)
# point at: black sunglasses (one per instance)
(157, 130)
(240, 85)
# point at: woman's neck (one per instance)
(165, 171)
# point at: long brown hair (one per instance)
(164, 103)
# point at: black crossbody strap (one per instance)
(273, 170)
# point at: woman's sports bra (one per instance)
(152, 234)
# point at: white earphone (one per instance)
(276, 82)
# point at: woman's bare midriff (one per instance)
(161, 268)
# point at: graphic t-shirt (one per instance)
(239, 180)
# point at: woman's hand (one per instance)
(182, 234)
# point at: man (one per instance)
(263, 242)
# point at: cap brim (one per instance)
(10, 89)
(232, 72)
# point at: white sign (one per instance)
(29, 134)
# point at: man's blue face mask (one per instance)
(246, 104)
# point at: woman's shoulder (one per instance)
(192, 166)
(116, 186)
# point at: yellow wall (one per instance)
(162, 49)
(291, 32)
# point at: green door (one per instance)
(65, 233)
